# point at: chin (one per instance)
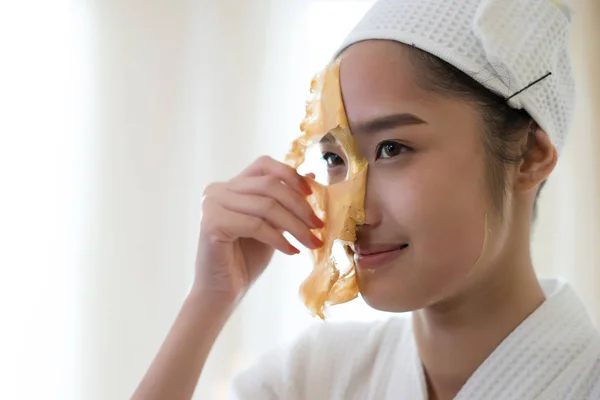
(387, 295)
(399, 294)
(389, 305)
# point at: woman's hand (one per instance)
(243, 221)
(242, 224)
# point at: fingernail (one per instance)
(311, 176)
(305, 188)
(317, 242)
(294, 250)
(318, 223)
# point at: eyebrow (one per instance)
(328, 138)
(387, 122)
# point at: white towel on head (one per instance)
(503, 44)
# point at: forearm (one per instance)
(175, 371)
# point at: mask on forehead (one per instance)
(339, 204)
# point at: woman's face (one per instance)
(426, 196)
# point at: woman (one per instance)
(460, 108)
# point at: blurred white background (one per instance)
(114, 114)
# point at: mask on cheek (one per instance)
(340, 202)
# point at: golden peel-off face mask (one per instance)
(340, 203)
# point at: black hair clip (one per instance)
(530, 85)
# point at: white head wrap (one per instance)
(505, 45)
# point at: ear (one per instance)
(537, 164)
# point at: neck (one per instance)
(456, 336)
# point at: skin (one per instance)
(431, 195)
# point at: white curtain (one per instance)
(46, 88)
(115, 114)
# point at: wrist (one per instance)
(222, 303)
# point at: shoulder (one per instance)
(325, 356)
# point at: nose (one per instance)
(372, 208)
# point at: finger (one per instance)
(266, 166)
(269, 186)
(231, 226)
(270, 210)
(212, 188)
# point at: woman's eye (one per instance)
(390, 149)
(332, 159)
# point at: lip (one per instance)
(372, 260)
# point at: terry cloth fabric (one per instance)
(505, 45)
(553, 355)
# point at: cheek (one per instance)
(441, 204)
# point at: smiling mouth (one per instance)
(368, 252)
(371, 259)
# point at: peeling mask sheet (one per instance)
(340, 203)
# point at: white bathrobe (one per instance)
(553, 354)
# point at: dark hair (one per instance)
(508, 132)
